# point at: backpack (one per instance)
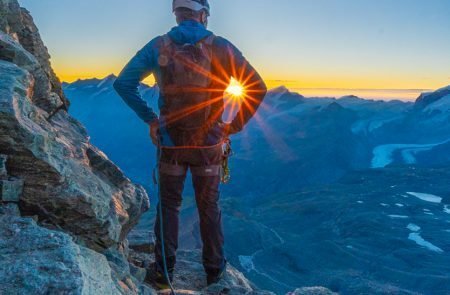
(185, 80)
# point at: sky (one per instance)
(397, 47)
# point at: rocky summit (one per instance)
(65, 209)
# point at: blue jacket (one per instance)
(145, 63)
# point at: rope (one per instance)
(161, 226)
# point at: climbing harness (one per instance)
(156, 181)
(227, 152)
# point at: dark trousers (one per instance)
(205, 166)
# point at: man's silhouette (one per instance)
(193, 68)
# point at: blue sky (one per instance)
(383, 44)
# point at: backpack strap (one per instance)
(166, 40)
(209, 40)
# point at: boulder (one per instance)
(12, 51)
(35, 260)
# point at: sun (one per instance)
(235, 89)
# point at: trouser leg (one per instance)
(171, 189)
(207, 197)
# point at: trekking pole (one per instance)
(161, 226)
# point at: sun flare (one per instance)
(235, 89)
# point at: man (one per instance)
(193, 68)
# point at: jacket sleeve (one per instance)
(127, 84)
(255, 88)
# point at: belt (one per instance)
(181, 170)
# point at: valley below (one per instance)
(350, 194)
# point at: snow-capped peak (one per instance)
(107, 80)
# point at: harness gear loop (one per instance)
(227, 152)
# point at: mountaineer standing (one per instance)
(192, 68)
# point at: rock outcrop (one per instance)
(18, 24)
(68, 183)
(36, 260)
(65, 209)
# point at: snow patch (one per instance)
(247, 262)
(399, 205)
(443, 105)
(398, 216)
(383, 155)
(447, 209)
(384, 205)
(413, 227)
(360, 202)
(426, 197)
(416, 237)
(104, 89)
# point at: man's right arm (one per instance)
(255, 89)
(127, 84)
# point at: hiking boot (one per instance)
(157, 278)
(214, 277)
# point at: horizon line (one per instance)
(282, 85)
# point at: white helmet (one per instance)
(195, 5)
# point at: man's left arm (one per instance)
(127, 84)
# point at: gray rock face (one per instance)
(49, 170)
(67, 181)
(37, 261)
(13, 52)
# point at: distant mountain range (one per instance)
(320, 187)
(319, 139)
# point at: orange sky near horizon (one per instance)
(309, 86)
